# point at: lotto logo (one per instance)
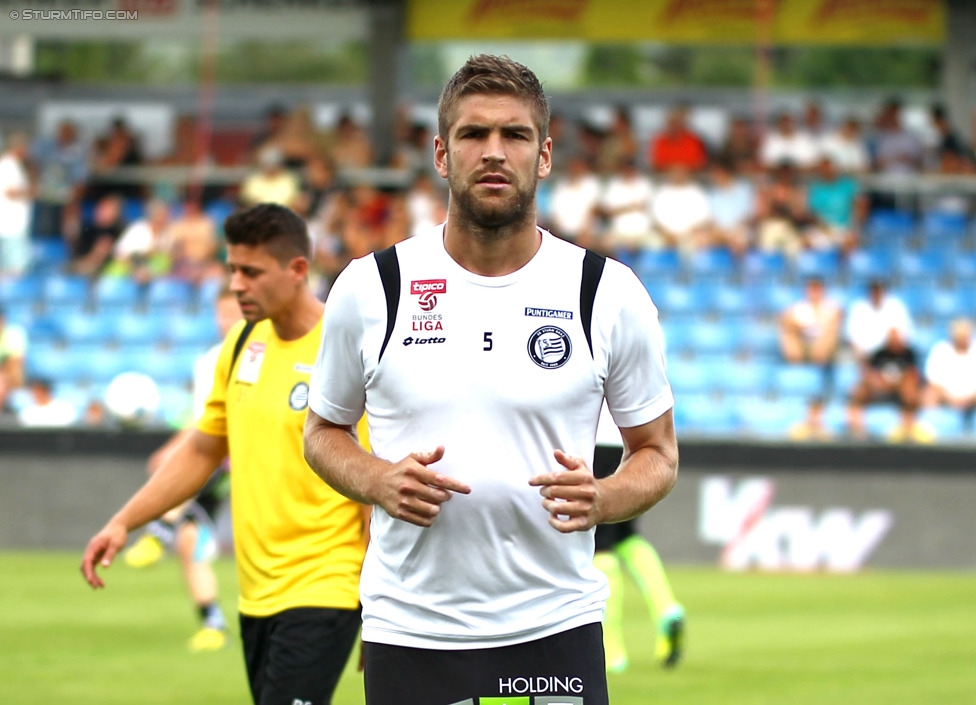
(423, 286)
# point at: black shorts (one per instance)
(605, 462)
(568, 667)
(213, 493)
(299, 654)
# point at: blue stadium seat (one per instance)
(655, 263)
(219, 211)
(46, 360)
(20, 290)
(961, 266)
(768, 418)
(64, 290)
(885, 224)
(169, 293)
(713, 262)
(690, 377)
(133, 209)
(49, 254)
(86, 328)
(881, 419)
(938, 303)
(116, 294)
(714, 336)
(863, 265)
(744, 377)
(45, 328)
(140, 328)
(703, 414)
(925, 266)
(947, 423)
(818, 263)
(194, 330)
(758, 339)
(940, 225)
(771, 298)
(676, 299)
(846, 376)
(758, 266)
(804, 381)
(728, 299)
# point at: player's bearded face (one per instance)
(493, 209)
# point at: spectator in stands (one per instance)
(143, 250)
(351, 147)
(950, 372)
(619, 142)
(575, 197)
(810, 329)
(813, 120)
(741, 146)
(299, 140)
(426, 204)
(565, 136)
(784, 219)
(318, 184)
(625, 206)
(732, 207)
(677, 144)
(786, 143)
(96, 242)
(13, 353)
(836, 202)
(680, 211)
(272, 183)
(44, 409)
(118, 147)
(949, 143)
(896, 149)
(870, 321)
(809, 334)
(415, 151)
(847, 148)
(62, 168)
(275, 117)
(890, 375)
(194, 245)
(16, 203)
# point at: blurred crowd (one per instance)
(794, 185)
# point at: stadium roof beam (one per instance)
(387, 66)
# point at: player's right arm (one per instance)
(181, 475)
(408, 490)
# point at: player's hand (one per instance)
(570, 496)
(101, 550)
(413, 492)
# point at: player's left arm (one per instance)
(577, 501)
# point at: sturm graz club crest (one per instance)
(549, 347)
(298, 398)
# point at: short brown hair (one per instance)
(486, 74)
(276, 228)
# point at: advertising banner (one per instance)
(861, 22)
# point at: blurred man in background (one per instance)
(950, 372)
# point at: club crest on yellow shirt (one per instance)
(298, 397)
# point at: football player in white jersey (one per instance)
(481, 352)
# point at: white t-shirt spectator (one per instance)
(799, 149)
(15, 211)
(573, 201)
(850, 156)
(868, 327)
(953, 371)
(57, 413)
(680, 208)
(632, 226)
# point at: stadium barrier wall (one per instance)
(741, 505)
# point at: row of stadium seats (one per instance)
(93, 364)
(759, 417)
(59, 290)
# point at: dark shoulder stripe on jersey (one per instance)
(389, 266)
(592, 272)
(239, 345)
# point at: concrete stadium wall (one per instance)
(744, 506)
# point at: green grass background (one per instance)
(884, 638)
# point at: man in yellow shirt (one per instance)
(299, 545)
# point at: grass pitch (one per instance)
(868, 639)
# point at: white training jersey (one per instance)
(498, 370)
